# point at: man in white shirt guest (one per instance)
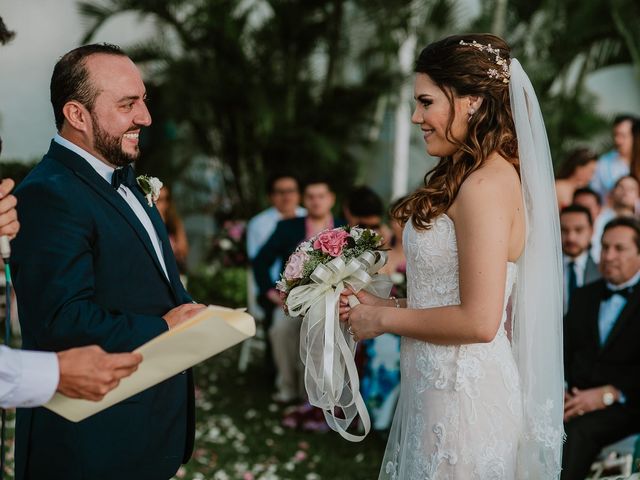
(615, 163)
(576, 228)
(589, 198)
(284, 196)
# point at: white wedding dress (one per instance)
(459, 416)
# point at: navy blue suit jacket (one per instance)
(85, 272)
(282, 243)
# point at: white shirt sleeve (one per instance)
(27, 378)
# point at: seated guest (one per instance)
(576, 228)
(380, 379)
(615, 164)
(602, 327)
(591, 200)
(284, 196)
(575, 172)
(318, 199)
(364, 207)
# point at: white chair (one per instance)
(615, 461)
(259, 341)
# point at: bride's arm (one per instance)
(484, 212)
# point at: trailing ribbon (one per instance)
(326, 348)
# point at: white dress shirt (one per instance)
(27, 379)
(609, 168)
(260, 228)
(611, 308)
(106, 172)
(580, 265)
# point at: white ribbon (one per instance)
(326, 348)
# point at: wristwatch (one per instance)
(608, 398)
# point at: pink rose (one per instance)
(331, 242)
(295, 265)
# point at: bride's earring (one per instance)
(471, 112)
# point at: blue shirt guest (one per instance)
(284, 196)
(602, 327)
(93, 264)
(615, 163)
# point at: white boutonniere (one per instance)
(150, 187)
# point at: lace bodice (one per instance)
(432, 266)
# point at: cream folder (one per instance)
(208, 333)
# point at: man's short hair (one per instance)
(70, 79)
(624, 177)
(573, 208)
(587, 191)
(628, 222)
(625, 117)
(317, 181)
(364, 202)
(273, 179)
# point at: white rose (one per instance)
(225, 244)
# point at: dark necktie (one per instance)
(123, 176)
(573, 279)
(624, 292)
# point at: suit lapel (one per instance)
(161, 230)
(591, 272)
(87, 174)
(592, 315)
(627, 314)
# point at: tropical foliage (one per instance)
(260, 86)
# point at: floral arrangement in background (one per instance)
(228, 246)
(399, 279)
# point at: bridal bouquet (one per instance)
(313, 278)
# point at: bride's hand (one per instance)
(365, 298)
(365, 322)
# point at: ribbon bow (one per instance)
(326, 349)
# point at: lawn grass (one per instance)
(239, 436)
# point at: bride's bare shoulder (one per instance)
(496, 182)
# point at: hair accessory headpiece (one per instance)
(503, 63)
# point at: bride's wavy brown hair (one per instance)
(461, 70)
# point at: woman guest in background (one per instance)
(575, 172)
(175, 228)
(476, 403)
(380, 382)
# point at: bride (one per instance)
(481, 390)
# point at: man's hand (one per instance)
(90, 372)
(578, 402)
(9, 225)
(182, 313)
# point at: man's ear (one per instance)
(77, 116)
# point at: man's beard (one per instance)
(111, 147)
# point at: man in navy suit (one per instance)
(601, 331)
(92, 264)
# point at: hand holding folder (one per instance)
(210, 332)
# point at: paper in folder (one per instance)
(208, 333)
